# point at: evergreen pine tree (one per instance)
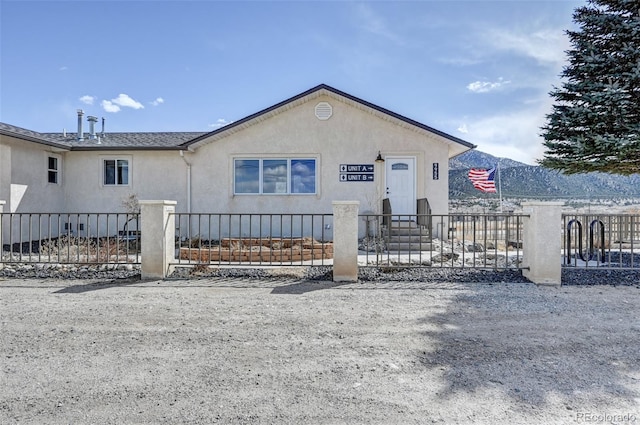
(595, 121)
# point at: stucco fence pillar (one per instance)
(2, 203)
(345, 241)
(541, 245)
(157, 238)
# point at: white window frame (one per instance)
(116, 158)
(261, 160)
(57, 170)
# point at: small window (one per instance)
(53, 170)
(275, 176)
(116, 172)
(400, 166)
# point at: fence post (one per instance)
(1, 225)
(345, 241)
(157, 240)
(541, 245)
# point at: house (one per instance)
(296, 156)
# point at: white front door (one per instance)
(401, 184)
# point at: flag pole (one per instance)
(499, 185)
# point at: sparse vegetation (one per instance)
(67, 249)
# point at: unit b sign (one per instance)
(356, 172)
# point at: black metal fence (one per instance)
(487, 241)
(70, 238)
(482, 241)
(253, 239)
(601, 241)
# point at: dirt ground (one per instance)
(285, 351)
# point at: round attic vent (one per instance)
(323, 111)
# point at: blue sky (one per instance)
(478, 70)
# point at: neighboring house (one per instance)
(289, 158)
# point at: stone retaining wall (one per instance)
(260, 250)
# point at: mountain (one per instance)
(520, 180)
(477, 159)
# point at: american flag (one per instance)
(483, 179)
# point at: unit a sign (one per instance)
(356, 172)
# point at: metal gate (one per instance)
(602, 241)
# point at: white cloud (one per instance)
(486, 86)
(108, 106)
(157, 102)
(122, 101)
(459, 60)
(126, 101)
(515, 135)
(221, 122)
(463, 129)
(87, 99)
(63, 68)
(546, 46)
(375, 24)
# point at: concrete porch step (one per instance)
(402, 224)
(407, 231)
(416, 239)
(408, 247)
(407, 236)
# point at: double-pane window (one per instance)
(116, 172)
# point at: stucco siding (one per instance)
(5, 172)
(24, 185)
(23, 177)
(350, 136)
(153, 175)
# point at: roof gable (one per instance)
(459, 145)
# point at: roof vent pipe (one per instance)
(92, 128)
(102, 132)
(80, 135)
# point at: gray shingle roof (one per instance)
(30, 135)
(150, 140)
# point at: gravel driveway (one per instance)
(289, 351)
